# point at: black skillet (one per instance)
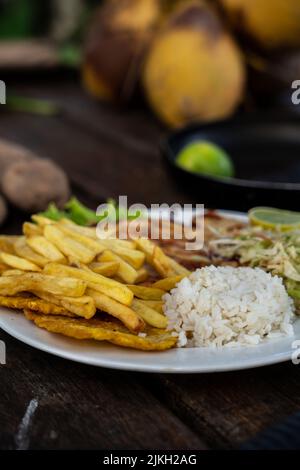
(265, 150)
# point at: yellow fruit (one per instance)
(273, 24)
(116, 43)
(193, 70)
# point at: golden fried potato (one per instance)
(33, 303)
(18, 263)
(161, 263)
(7, 243)
(87, 231)
(152, 317)
(45, 248)
(108, 269)
(135, 258)
(155, 340)
(30, 282)
(41, 221)
(94, 246)
(115, 244)
(24, 251)
(146, 293)
(80, 306)
(102, 284)
(178, 269)
(71, 248)
(12, 272)
(32, 230)
(125, 272)
(143, 275)
(168, 283)
(123, 313)
(154, 304)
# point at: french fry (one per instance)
(45, 248)
(7, 244)
(24, 251)
(109, 269)
(161, 263)
(12, 272)
(87, 231)
(80, 306)
(34, 304)
(18, 263)
(71, 248)
(168, 283)
(178, 268)
(94, 246)
(155, 256)
(146, 293)
(151, 316)
(142, 275)
(32, 230)
(147, 247)
(155, 340)
(135, 258)
(125, 272)
(30, 282)
(41, 221)
(125, 314)
(102, 284)
(115, 244)
(154, 304)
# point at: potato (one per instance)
(31, 282)
(24, 251)
(31, 230)
(94, 246)
(102, 284)
(125, 314)
(71, 248)
(133, 257)
(11, 153)
(116, 333)
(108, 269)
(168, 283)
(146, 293)
(154, 304)
(80, 306)
(151, 316)
(18, 263)
(31, 185)
(142, 275)
(45, 248)
(125, 272)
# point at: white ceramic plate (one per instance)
(194, 360)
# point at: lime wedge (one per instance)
(274, 219)
(205, 158)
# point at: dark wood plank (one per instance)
(230, 408)
(81, 407)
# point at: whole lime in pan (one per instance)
(206, 158)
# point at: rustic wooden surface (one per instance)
(47, 402)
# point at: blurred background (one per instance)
(132, 71)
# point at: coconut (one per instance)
(116, 43)
(271, 24)
(194, 70)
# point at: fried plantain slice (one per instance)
(113, 332)
(33, 303)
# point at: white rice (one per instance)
(226, 306)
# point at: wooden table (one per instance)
(108, 152)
